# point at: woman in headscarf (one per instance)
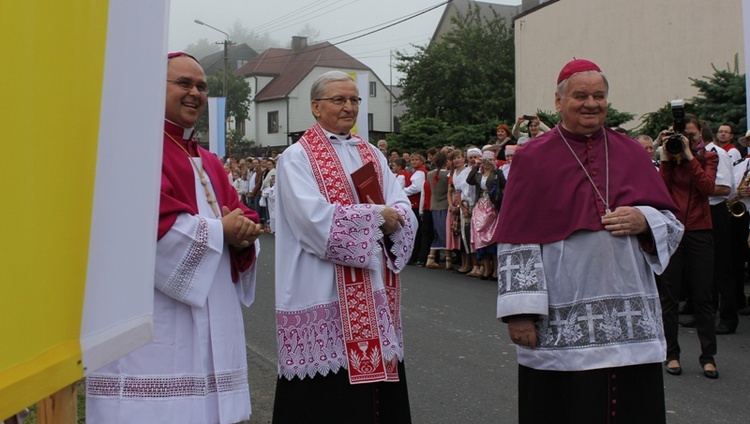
(485, 178)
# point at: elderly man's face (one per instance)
(184, 107)
(648, 145)
(337, 119)
(584, 106)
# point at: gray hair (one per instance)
(562, 88)
(319, 86)
(645, 137)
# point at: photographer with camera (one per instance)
(689, 172)
(534, 126)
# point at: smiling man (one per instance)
(579, 242)
(195, 368)
(338, 315)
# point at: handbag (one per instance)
(496, 191)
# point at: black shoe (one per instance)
(713, 375)
(724, 329)
(687, 321)
(673, 370)
(744, 311)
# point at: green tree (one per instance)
(238, 99)
(202, 48)
(653, 123)
(467, 77)
(722, 98)
(239, 34)
(419, 134)
(615, 118)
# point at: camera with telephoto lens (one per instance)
(673, 144)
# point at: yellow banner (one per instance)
(52, 86)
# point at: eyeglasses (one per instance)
(188, 85)
(340, 101)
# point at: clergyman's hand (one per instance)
(625, 221)
(239, 231)
(393, 219)
(522, 331)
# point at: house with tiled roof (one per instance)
(237, 56)
(281, 79)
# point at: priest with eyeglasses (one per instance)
(339, 250)
(195, 368)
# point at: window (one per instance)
(240, 127)
(241, 63)
(373, 89)
(370, 121)
(273, 122)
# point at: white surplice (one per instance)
(195, 369)
(595, 294)
(312, 236)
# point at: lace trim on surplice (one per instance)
(165, 386)
(311, 341)
(182, 279)
(520, 270)
(601, 322)
(402, 242)
(674, 231)
(354, 235)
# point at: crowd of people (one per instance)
(254, 180)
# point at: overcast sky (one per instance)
(336, 20)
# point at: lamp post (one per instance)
(226, 44)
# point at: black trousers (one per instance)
(725, 293)
(632, 394)
(428, 233)
(739, 251)
(331, 399)
(415, 255)
(693, 263)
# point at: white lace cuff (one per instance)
(355, 234)
(403, 242)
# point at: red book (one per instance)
(366, 183)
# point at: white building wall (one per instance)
(647, 49)
(252, 130)
(300, 118)
(264, 137)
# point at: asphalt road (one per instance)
(461, 366)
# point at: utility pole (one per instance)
(224, 93)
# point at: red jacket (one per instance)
(690, 184)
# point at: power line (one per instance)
(280, 19)
(307, 18)
(400, 21)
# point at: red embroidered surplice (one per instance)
(362, 336)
